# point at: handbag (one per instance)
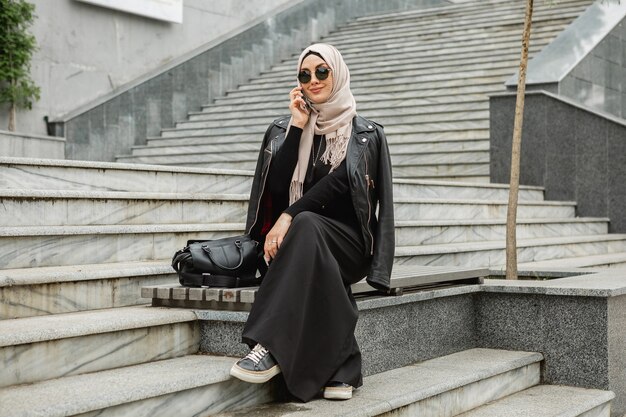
(228, 262)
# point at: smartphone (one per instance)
(307, 104)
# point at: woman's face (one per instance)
(316, 90)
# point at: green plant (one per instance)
(16, 49)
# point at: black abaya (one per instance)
(304, 312)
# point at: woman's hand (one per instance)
(298, 107)
(275, 237)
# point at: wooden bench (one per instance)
(403, 278)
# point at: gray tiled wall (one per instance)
(111, 128)
(599, 80)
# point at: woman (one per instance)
(320, 176)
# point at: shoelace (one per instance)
(256, 354)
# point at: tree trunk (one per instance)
(12, 117)
(511, 215)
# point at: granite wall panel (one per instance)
(571, 333)
(577, 154)
(617, 349)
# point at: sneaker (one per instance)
(337, 391)
(256, 367)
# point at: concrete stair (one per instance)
(410, 72)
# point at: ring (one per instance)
(274, 241)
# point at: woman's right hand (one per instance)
(298, 107)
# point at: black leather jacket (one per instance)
(369, 172)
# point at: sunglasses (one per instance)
(321, 73)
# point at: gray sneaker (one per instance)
(256, 367)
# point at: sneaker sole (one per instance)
(258, 377)
(332, 393)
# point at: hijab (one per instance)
(333, 118)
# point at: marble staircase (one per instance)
(78, 239)
(425, 79)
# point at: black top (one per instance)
(324, 193)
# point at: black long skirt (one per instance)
(304, 312)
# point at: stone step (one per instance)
(474, 88)
(412, 188)
(477, 179)
(444, 386)
(437, 38)
(612, 260)
(223, 159)
(193, 385)
(492, 253)
(86, 208)
(393, 75)
(458, 209)
(390, 120)
(206, 137)
(35, 349)
(478, 123)
(247, 147)
(444, 10)
(16, 144)
(425, 107)
(419, 42)
(486, 51)
(40, 291)
(487, 57)
(286, 70)
(443, 171)
(415, 104)
(51, 208)
(549, 401)
(27, 249)
(22, 247)
(18, 173)
(47, 174)
(495, 76)
(287, 76)
(460, 7)
(493, 19)
(432, 232)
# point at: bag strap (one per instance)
(179, 257)
(238, 245)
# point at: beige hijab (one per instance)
(332, 119)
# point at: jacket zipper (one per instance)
(369, 205)
(256, 216)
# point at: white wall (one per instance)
(87, 51)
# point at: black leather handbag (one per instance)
(229, 262)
